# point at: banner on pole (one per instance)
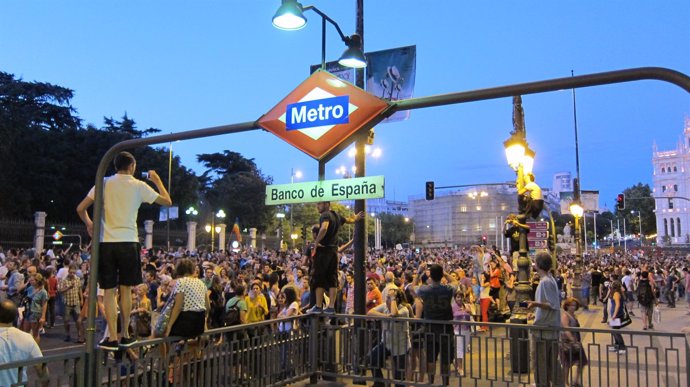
(163, 215)
(391, 76)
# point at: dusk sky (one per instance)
(181, 65)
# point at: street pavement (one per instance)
(491, 367)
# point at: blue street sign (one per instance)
(318, 112)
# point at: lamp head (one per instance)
(576, 209)
(353, 56)
(528, 160)
(289, 16)
(515, 150)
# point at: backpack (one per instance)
(232, 315)
(645, 296)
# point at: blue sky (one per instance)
(181, 65)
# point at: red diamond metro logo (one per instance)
(322, 126)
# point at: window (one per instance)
(675, 187)
(670, 204)
(663, 188)
(678, 226)
(663, 170)
(673, 229)
(463, 208)
(666, 227)
(675, 169)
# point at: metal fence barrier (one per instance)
(356, 349)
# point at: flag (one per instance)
(236, 230)
(391, 75)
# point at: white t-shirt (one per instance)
(122, 196)
(62, 273)
(16, 345)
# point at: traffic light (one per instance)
(620, 202)
(304, 233)
(484, 240)
(430, 190)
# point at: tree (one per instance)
(639, 198)
(234, 184)
(32, 117)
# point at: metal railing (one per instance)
(381, 350)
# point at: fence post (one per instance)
(314, 348)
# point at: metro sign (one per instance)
(321, 113)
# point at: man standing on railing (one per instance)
(120, 263)
(15, 346)
(326, 257)
(547, 313)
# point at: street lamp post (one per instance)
(577, 211)
(213, 229)
(293, 174)
(521, 159)
(280, 216)
(639, 216)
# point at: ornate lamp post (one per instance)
(521, 159)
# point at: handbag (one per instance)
(141, 324)
(622, 321)
(571, 350)
(164, 318)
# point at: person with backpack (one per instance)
(646, 299)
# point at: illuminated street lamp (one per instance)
(280, 216)
(293, 174)
(213, 229)
(577, 211)
(290, 16)
(521, 159)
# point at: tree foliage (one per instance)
(235, 185)
(639, 200)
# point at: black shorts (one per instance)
(440, 340)
(325, 268)
(119, 264)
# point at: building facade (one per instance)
(464, 216)
(671, 191)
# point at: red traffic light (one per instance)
(620, 201)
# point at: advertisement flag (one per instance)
(391, 76)
(163, 215)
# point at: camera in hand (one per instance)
(144, 175)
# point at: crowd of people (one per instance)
(265, 285)
(183, 293)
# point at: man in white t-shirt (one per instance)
(16, 345)
(120, 264)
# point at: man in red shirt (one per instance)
(374, 296)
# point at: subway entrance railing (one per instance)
(356, 349)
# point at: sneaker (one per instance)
(42, 331)
(314, 309)
(109, 345)
(329, 310)
(127, 342)
(622, 351)
(613, 349)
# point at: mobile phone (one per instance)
(144, 175)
